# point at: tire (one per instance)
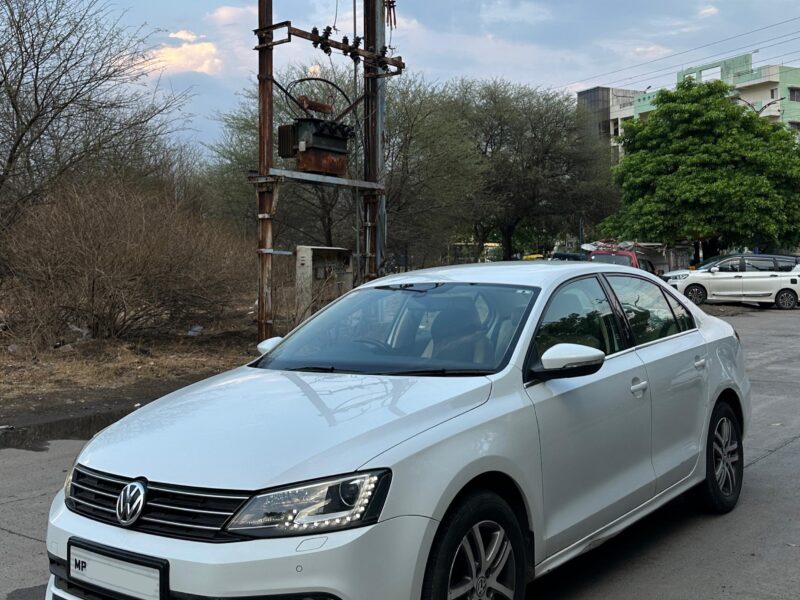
(719, 493)
(697, 294)
(456, 569)
(786, 300)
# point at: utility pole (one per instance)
(314, 159)
(374, 245)
(265, 189)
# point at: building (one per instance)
(603, 107)
(771, 90)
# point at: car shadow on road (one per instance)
(581, 576)
(34, 593)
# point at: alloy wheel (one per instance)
(726, 455)
(696, 294)
(484, 565)
(786, 300)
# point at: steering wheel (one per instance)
(378, 345)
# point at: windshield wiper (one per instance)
(322, 369)
(443, 372)
(410, 287)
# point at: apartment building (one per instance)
(773, 91)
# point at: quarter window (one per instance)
(682, 315)
(580, 314)
(786, 265)
(646, 309)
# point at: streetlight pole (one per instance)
(759, 111)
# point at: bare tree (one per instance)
(74, 82)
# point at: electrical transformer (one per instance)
(317, 146)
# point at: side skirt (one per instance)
(604, 534)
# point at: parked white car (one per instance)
(767, 280)
(439, 434)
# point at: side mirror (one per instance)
(713, 270)
(565, 361)
(268, 346)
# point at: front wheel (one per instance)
(786, 300)
(720, 491)
(697, 294)
(478, 554)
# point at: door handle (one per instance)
(774, 275)
(700, 364)
(738, 277)
(639, 388)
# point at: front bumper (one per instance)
(386, 560)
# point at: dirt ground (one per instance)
(94, 375)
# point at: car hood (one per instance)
(252, 429)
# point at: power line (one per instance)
(649, 62)
(759, 62)
(701, 61)
(673, 70)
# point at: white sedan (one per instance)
(439, 434)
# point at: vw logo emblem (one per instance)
(131, 503)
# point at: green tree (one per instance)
(543, 168)
(702, 167)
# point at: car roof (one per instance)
(539, 274)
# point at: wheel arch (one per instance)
(509, 490)
(729, 396)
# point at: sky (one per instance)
(207, 45)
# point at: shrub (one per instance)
(116, 262)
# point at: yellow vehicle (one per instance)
(533, 257)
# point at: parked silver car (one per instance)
(438, 434)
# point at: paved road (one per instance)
(674, 554)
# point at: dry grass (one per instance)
(111, 364)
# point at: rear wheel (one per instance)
(720, 491)
(697, 294)
(479, 553)
(786, 300)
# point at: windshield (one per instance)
(707, 264)
(426, 329)
(613, 259)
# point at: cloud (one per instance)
(202, 57)
(636, 49)
(707, 11)
(484, 56)
(234, 15)
(185, 35)
(514, 12)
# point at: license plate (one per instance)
(130, 575)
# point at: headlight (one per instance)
(321, 506)
(68, 483)
(679, 277)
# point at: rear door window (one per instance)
(786, 265)
(759, 265)
(647, 310)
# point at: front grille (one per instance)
(172, 511)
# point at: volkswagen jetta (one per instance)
(442, 434)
